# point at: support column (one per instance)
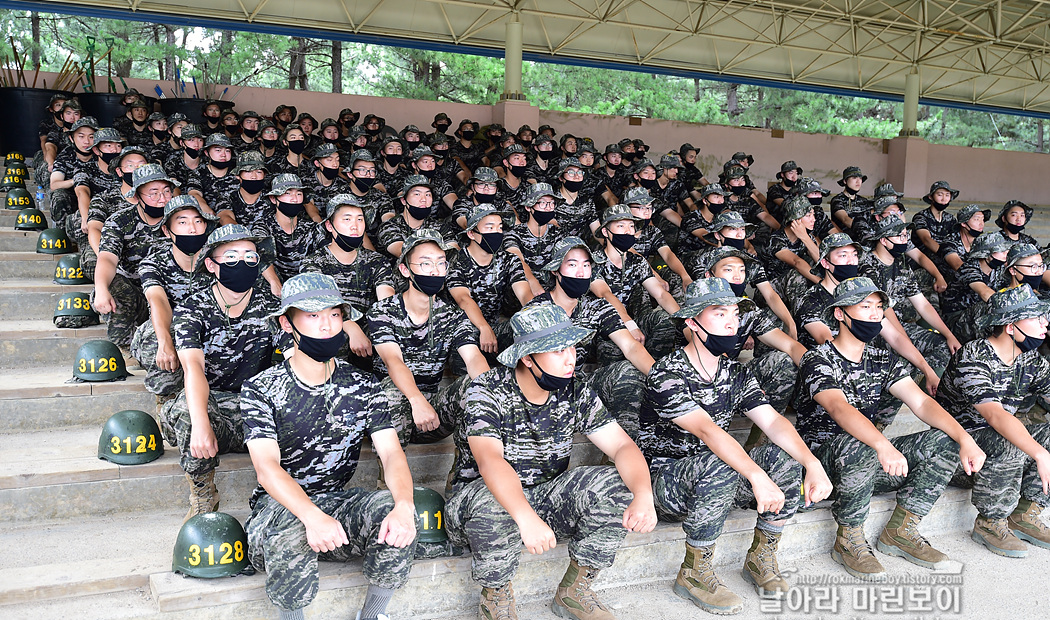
(911, 104)
(512, 64)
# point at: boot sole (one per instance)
(683, 592)
(897, 552)
(1006, 553)
(762, 592)
(835, 555)
(562, 611)
(1028, 538)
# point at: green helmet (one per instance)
(30, 218)
(430, 507)
(74, 310)
(13, 178)
(19, 198)
(14, 156)
(53, 241)
(99, 360)
(130, 437)
(210, 545)
(18, 168)
(68, 271)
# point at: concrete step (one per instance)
(15, 240)
(52, 381)
(21, 265)
(35, 298)
(34, 343)
(19, 415)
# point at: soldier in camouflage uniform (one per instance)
(96, 176)
(840, 387)
(971, 220)
(691, 397)
(245, 203)
(417, 213)
(85, 227)
(304, 422)
(324, 183)
(651, 243)
(815, 194)
(791, 251)
(696, 225)
(519, 430)
(294, 234)
(168, 278)
(974, 283)
(618, 384)
(1025, 265)
(214, 182)
(75, 155)
(849, 204)
(223, 336)
(414, 334)
(1012, 219)
(127, 237)
(533, 240)
(987, 386)
(378, 207)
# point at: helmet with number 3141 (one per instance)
(130, 437)
(99, 360)
(210, 545)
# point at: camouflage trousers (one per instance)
(132, 309)
(448, 402)
(277, 544)
(1007, 475)
(660, 336)
(504, 338)
(776, 374)
(791, 287)
(620, 386)
(88, 258)
(856, 474)
(584, 504)
(144, 347)
(224, 413)
(62, 203)
(700, 490)
(932, 345)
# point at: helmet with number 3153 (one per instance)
(210, 545)
(99, 360)
(130, 437)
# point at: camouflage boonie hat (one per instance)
(585, 146)
(422, 235)
(886, 189)
(708, 261)
(541, 328)
(194, 131)
(563, 247)
(731, 219)
(637, 196)
(249, 161)
(969, 211)
(928, 198)
(236, 232)
(613, 148)
(742, 156)
(440, 116)
(1011, 305)
(83, 121)
(708, 292)
(484, 174)
(1019, 251)
(568, 162)
(108, 134)
(669, 161)
(788, 166)
(340, 200)
(137, 103)
(217, 139)
(72, 103)
(987, 244)
(420, 152)
(313, 292)
(183, 202)
(538, 190)
(618, 212)
(889, 226)
(251, 114)
(177, 117)
(480, 212)
(642, 164)
(323, 151)
(833, 242)
(148, 173)
(735, 172)
(852, 171)
(156, 116)
(795, 208)
(713, 188)
(416, 180)
(360, 155)
(808, 185)
(855, 290)
(884, 202)
(513, 149)
(284, 182)
(1010, 204)
(118, 161)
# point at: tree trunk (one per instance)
(297, 66)
(337, 66)
(1039, 135)
(224, 72)
(696, 90)
(732, 102)
(156, 41)
(35, 20)
(169, 58)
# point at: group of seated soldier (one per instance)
(512, 289)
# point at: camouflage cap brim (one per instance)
(317, 300)
(265, 246)
(555, 338)
(693, 306)
(566, 245)
(858, 295)
(1024, 305)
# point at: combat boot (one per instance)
(498, 603)
(996, 535)
(697, 583)
(853, 552)
(204, 496)
(1027, 524)
(760, 565)
(901, 538)
(574, 597)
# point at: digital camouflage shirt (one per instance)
(537, 251)
(105, 204)
(959, 294)
(319, 428)
(976, 376)
(623, 281)
(896, 279)
(537, 439)
(306, 237)
(245, 214)
(590, 313)
(92, 177)
(160, 269)
(320, 194)
(131, 239)
(358, 280)
(487, 283)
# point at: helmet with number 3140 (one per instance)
(130, 437)
(31, 218)
(99, 360)
(210, 545)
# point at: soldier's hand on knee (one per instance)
(323, 533)
(640, 515)
(971, 456)
(166, 358)
(768, 496)
(892, 461)
(104, 302)
(203, 444)
(817, 485)
(398, 529)
(423, 414)
(537, 536)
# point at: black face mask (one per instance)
(238, 276)
(518, 171)
(290, 209)
(738, 289)
(329, 173)
(627, 157)
(616, 166)
(420, 213)
(544, 155)
(372, 132)
(547, 382)
(494, 138)
(716, 207)
(153, 212)
(364, 184)
(897, 249)
(995, 263)
(297, 146)
(440, 153)
(647, 183)
(139, 126)
(572, 186)
(319, 349)
(1033, 281)
(733, 242)
(191, 153)
(347, 243)
(442, 127)
(160, 134)
(253, 186)
(865, 331)
(844, 272)
(974, 233)
(491, 242)
(82, 153)
(622, 241)
(719, 345)
(788, 182)
(468, 135)
(222, 165)
(269, 144)
(428, 285)
(412, 144)
(393, 159)
(1029, 343)
(738, 190)
(190, 244)
(850, 191)
(250, 133)
(543, 217)
(816, 201)
(574, 287)
(1013, 228)
(108, 157)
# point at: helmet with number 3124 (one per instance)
(210, 545)
(130, 437)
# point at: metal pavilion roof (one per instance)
(971, 53)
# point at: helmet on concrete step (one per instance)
(68, 271)
(19, 198)
(18, 168)
(74, 310)
(99, 360)
(210, 545)
(14, 177)
(53, 241)
(430, 507)
(130, 437)
(14, 156)
(30, 218)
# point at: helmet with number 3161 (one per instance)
(130, 437)
(210, 545)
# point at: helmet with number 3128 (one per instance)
(210, 545)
